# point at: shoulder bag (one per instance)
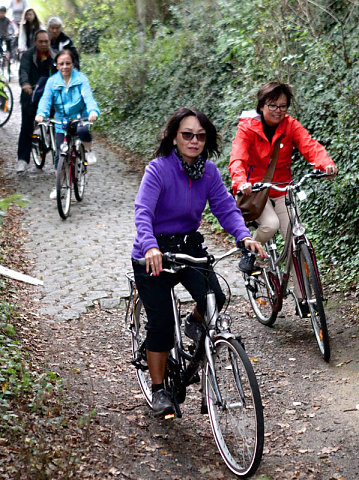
(253, 205)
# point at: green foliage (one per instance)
(6, 202)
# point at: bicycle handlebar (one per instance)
(184, 259)
(257, 187)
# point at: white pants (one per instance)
(272, 219)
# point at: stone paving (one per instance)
(84, 258)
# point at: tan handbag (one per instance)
(253, 205)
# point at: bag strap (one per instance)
(273, 162)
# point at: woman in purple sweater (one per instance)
(168, 210)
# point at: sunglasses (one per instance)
(188, 136)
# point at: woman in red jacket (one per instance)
(253, 147)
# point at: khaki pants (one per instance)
(275, 217)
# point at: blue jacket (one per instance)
(169, 202)
(69, 102)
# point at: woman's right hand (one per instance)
(246, 188)
(39, 118)
(153, 258)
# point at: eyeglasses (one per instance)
(64, 64)
(188, 136)
(273, 107)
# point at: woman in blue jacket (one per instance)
(69, 92)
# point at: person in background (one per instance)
(6, 31)
(168, 210)
(69, 92)
(252, 149)
(29, 25)
(36, 63)
(59, 40)
(17, 7)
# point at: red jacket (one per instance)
(251, 151)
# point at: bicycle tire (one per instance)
(138, 336)
(6, 103)
(38, 151)
(63, 186)
(315, 300)
(80, 175)
(265, 299)
(237, 424)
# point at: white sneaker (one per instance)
(90, 157)
(53, 194)
(22, 166)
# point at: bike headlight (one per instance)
(298, 229)
(64, 148)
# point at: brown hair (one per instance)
(169, 133)
(272, 91)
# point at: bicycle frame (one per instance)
(295, 236)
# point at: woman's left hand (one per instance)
(255, 247)
(331, 170)
(92, 117)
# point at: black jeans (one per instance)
(28, 113)
(155, 293)
(84, 135)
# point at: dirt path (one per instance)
(75, 326)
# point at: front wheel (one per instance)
(315, 301)
(80, 175)
(138, 337)
(38, 151)
(63, 186)
(263, 290)
(235, 407)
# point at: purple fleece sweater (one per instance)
(169, 202)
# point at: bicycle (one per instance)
(72, 168)
(43, 141)
(230, 392)
(267, 287)
(6, 102)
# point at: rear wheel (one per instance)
(6, 103)
(63, 186)
(138, 334)
(80, 177)
(314, 300)
(236, 414)
(263, 291)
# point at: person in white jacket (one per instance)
(30, 24)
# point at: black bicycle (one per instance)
(43, 142)
(71, 169)
(6, 102)
(230, 392)
(267, 287)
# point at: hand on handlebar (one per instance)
(92, 117)
(39, 118)
(331, 170)
(255, 246)
(246, 188)
(153, 258)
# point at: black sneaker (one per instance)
(247, 261)
(193, 329)
(161, 403)
(304, 307)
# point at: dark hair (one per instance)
(170, 130)
(3, 9)
(35, 24)
(41, 31)
(65, 51)
(272, 91)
